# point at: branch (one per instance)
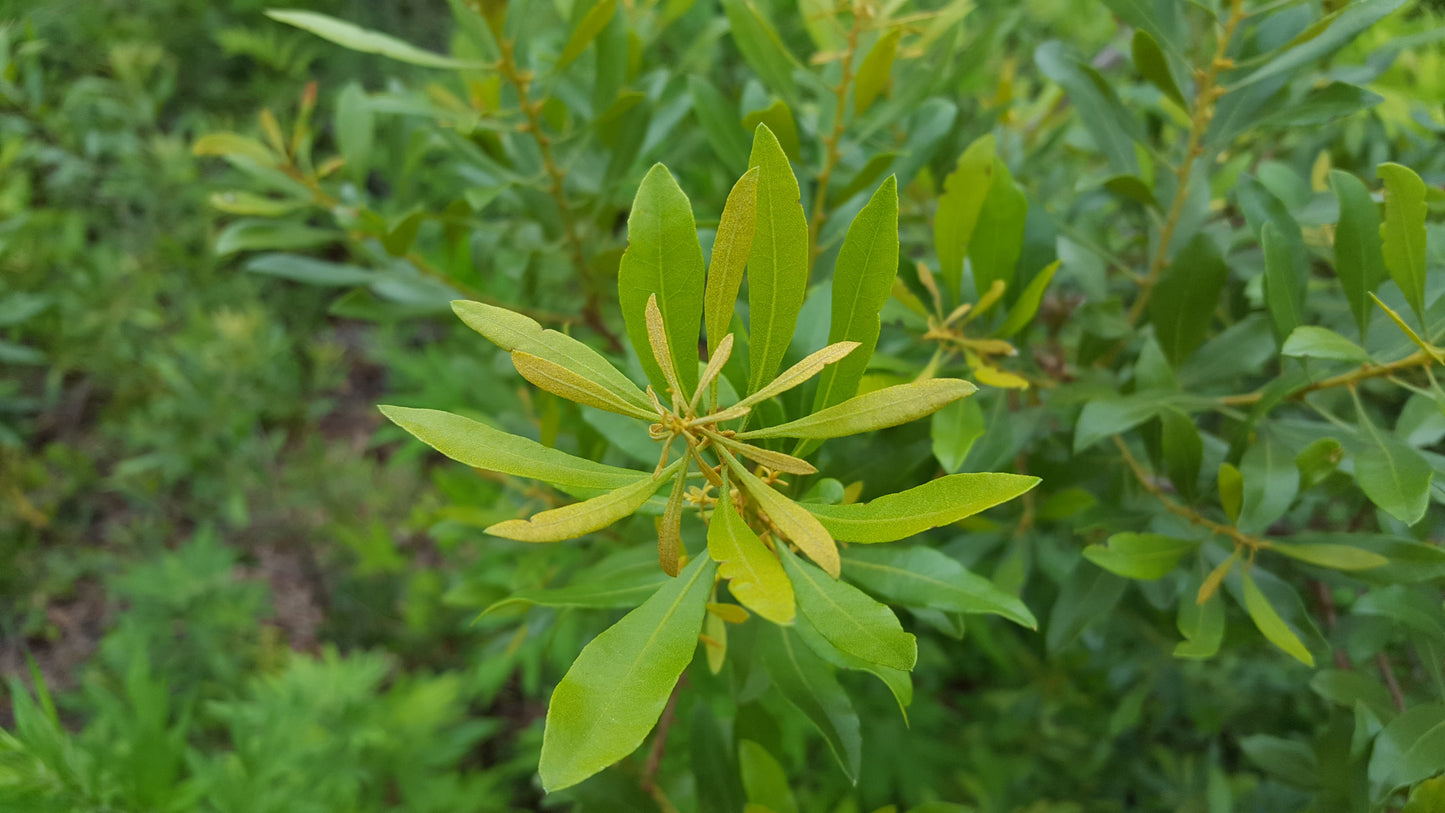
(1417, 359)
(1240, 538)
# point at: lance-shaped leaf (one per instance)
(663, 259)
(778, 264)
(873, 72)
(1185, 298)
(1411, 748)
(480, 446)
(1284, 287)
(761, 47)
(1150, 62)
(572, 521)
(1395, 476)
(849, 618)
(1027, 305)
(1113, 128)
(1268, 620)
(964, 191)
(777, 461)
(872, 411)
(367, 41)
(754, 575)
(618, 686)
(807, 683)
(1359, 257)
(1202, 625)
(798, 373)
(1335, 557)
(1404, 233)
(899, 682)
(730, 250)
(937, 502)
(559, 380)
(795, 523)
(620, 582)
(924, 577)
(669, 526)
(1139, 556)
(862, 280)
(998, 236)
(513, 331)
(586, 31)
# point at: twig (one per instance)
(1388, 673)
(1254, 543)
(1331, 617)
(831, 155)
(1417, 359)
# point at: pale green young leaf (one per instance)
(1139, 556)
(998, 236)
(1231, 490)
(754, 574)
(1335, 557)
(229, 144)
(1284, 287)
(954, 429)
(937, 502)
(366, 41)
(669, 526)
(1150, 62)
(850, 619)
(513, 331)
(1318, 460)
(799, 526)
(586, 31)
(874, 71)
(863, 277)
(810, 366)
(1027, 305)
(730, 250)
(872, 411)
(1393, 475)
(1267, 619)
(483, 447)
(572, 521)
(777, 461)
(559, 380)
(964, 191)
(1404, 233)
(778, 264)
(616, 689)
(1308, 341)
(762, 48)
(924, 577)
(1185, 298)
(1359, 257)
(663, 259)
(808, 684)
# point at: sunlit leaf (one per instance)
(795, 523)
(1139, 556)
(559, 380)
(872, 411)
(1267, 619)
(849, 618)
(937, 502)
(778, 265)
(572, 521)
(755, 577)
(1404, 233)
(356, 38)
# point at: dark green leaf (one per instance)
(761, 47)
(1110, 124)
(924, 577)
(1186, 296)
(1183, 451)
(1088, 595)
(1341, 30)
(586, 31)
(806, 682)
(1271, 481)
(719, 783)
(1139, 556)
(1411, 748)
(954, 430)
(1394, 476)
(1150, 62)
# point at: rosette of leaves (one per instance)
(778, 558)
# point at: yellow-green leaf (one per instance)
(872, 411)
(578, 519)
(1335, 557)
(730, 250)
(1404, 233)
(559, 380)
(669, 526)
(367, 41)
(1267, 619)
(799, 526)
(1231, 490)
(964, 191)
(754, 575)
(1139, 556)
(873, 72)
(937, 502)
(586, 31)
(800, 372)
(227, 144)
(850, 619)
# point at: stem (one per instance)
(831, 154)
(1417, 359)
(1387, 672)
(1254, 543)
(1204, 105)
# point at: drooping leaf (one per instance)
(1359, 256)
(483, 447)
(730, 250)
(1411, 748)
(366, 41)
(616, 689)
(806, 682)
(755, 577)
(1202, 625)
(799, 526)
(1183, 451)
(1140, 556)
(1185, 298)
(871, 411)
(1309, 341)
(577, 519)
(924, 577)
(874, 71)
(1404, 233)
(937, 502)
(964, 191)
(849, 618)
(899, 682)
(512, 331)
(663, 258)
(1268, 620)
(778, 265)
(862, 280)
(998, 236)
(1150, 62)
(586, 31)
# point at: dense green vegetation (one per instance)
(1190, 254)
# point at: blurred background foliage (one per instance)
(225, 586)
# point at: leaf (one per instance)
(766, 783)
(616, 689)
(1336, 557)
(937, 502)
(669, 526)
(754, 574)
(1318, 461)
(761, 48)
(1150, 62)
(1346, 688)
(1140, 556)
(1027, 305)
(714, 768)
(924, 577)
(1411, 748)
(559, 380)
(863, 278)
(998, 237)
(1404, 235)
(1271, 482)
(1359, 256)
(799, 526)
(577, 519)
(229, 144)
(719, 122)
(586, 31)
(1308, 341)
(1088, 595)
(1340, 31)
(249, 234)
(807, 683)
(1186, 297)
(1289, 761)
(1323, 105)
(513, 331)
(366, 41)
(954, 429)
(623, 588)
(899, 682)
(1284, 288)
(964, 191)
(778, 264)
(355, 128)
(1426, 797)
(1231, 490)
(1110, 124)
(1394, 476)
(871, 411)
(849, 618)
(1267, 619)
(874, 71)
(810, 366)
(1183, 451)
(480, 446)
(779, 119)
(1202, 626)
(730, 250)
(877, 164)
(309, 271)
(663, 258)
